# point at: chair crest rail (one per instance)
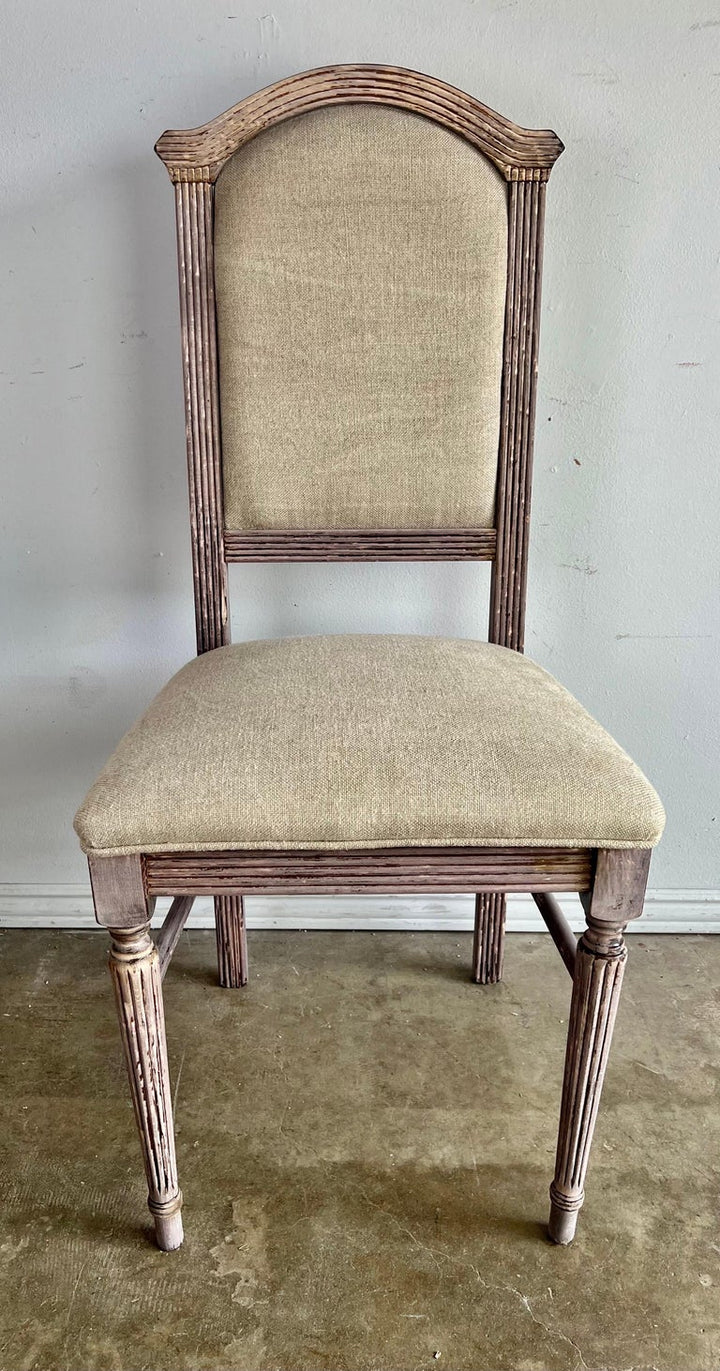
(200, 153)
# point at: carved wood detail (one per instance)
(360, 545)
(409, 870)
(135, 971)
(194, 213)
(599, 969)
(520, 154)
(489, 938)
(231, 936)
(519, 384)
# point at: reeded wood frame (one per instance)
(194, 158)
(610, 883)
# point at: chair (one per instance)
(360, 259)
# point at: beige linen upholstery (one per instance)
(360, 268)
(366, 741)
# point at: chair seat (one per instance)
(366, 741)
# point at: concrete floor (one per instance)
(365, 1143)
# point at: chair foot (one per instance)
(489, 940)
(168, 1223)
(563, 1221)
(231, 936)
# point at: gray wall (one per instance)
(624, 563)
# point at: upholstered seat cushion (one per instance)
(366, 741)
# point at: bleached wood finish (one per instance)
(519, 384)
(616, 897)
(118, 890)
(519, 153)
(508, 590)
(489, 939)
(231, 936)
(135, 971)
(361, 545)
(384, 871)
(619, 884)
(558, 927)
(194, 214)
(173, 925)
(123, 907)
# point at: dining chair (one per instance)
(360, 260)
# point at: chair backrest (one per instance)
(360, 257)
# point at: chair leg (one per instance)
(489, 940)
(617, 897)
(135, 971)
(231, 938)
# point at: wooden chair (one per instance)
(360, 258)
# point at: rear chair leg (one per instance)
(617, 896)
(489, 940)
(122, 907)
(231, 938)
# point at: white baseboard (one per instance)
(70, 906)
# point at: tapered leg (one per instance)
(617, 896)
(599, 967)
(489, 940)
(231, 941)
(135, 971)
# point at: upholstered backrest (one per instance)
(360, 253)
(360, 279)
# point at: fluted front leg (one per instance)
(135, 971)
(489, 940)
(231, 938)
(599, 968)
(617, 897)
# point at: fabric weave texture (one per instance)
(360, 270)
(362, 741)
